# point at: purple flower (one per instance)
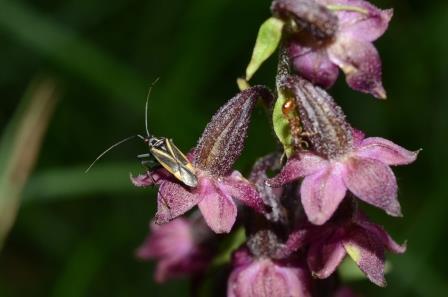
(264, 277)
(364, 170)
(340, 158)
(364, 241)
(350, 48)
(219, 147)
(177, 248)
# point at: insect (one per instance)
(290, 112)
(162, 152)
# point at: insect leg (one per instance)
(141, 156)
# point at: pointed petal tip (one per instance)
(379, 282)
(378, 91)
(395, 212)
(388, 14)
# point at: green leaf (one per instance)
(281, 125)
(268, 40)
(19, 148)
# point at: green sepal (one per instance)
(281, 125)
(267, 42)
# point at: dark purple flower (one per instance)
(219, 147)
(364, 241)
(177, 247)
(340, 158)
(350, 48)
(264, 277)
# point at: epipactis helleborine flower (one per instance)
(350, 48)
(265, 277)
(176, 248)
(364, 241)
(220, 145)
(340, 158)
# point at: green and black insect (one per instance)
(162, 152)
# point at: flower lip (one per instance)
(264, 277)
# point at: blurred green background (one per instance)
(75, 234)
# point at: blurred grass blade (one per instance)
(66, 48)
(51, 185)
(20, 146)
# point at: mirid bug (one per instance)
(162, 152)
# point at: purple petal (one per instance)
(172, 240)
(321, 194)
(324, 257)
(314, 65)
(381, 234)
(142, 180)
(263, 278)
(358, 137)
(238, 187)
(173, 200)
(151, 178)
(367, 24)
(297, 167)
(217, 207)
(361, 64)
(368, 253)
(385, 151)
(373, 182)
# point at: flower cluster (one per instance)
(300, 207)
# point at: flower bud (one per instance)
(308, 15)
(322, 119)
(223, 139)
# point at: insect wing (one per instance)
(186, 169)
(175, 167)
(178, 155)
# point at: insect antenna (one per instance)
(147, 104)
(110, 148)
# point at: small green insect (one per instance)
(162, 152)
